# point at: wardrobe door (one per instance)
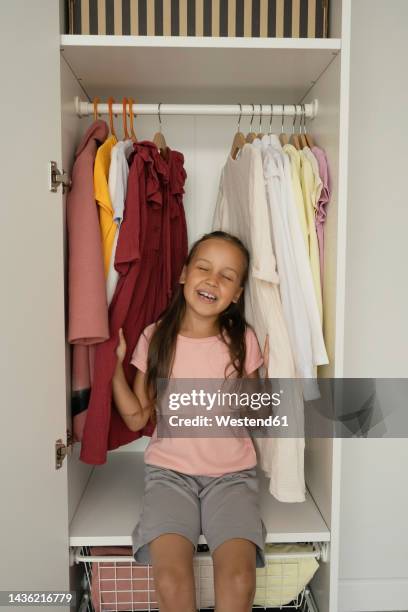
(373, 566)
(33, 515)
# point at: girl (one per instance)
(198, 485)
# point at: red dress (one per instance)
(151, 251)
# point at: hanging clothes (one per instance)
(292, 299)
(102, 195)
(296, 284)
(294, 157)
(324, 199)
(154, 187)
(87, 306)
(118, 176)
(304, 273)
(317, 180)
(242, 209)
(309, 191)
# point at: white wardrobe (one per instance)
(47, 512)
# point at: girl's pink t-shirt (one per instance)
(200, 358)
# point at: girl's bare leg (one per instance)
(235, 575)
(172, 561)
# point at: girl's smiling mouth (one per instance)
(207, 296)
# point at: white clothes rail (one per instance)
(277, 110)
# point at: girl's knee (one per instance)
(173, 583)
(238, 580)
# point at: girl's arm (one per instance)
(134, 405)
(263, 411)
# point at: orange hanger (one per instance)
(95, 105)
(132, 131)
(124, 118)
(112, 128)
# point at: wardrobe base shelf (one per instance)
(110, 507)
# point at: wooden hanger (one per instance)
(95, 105)
(250, 137)
(308, 137)
(239, 138)
(124, 119)
(111, 126)
(158, 139)
(260, 134)
(295, 137)
(302, 139)
(132, 131)
(283, 138)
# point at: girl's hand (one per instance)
(266, 354)
(121, 348)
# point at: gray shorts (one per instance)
(219, 507)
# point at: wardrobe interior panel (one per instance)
(72, 129)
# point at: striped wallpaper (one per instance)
(257, 18)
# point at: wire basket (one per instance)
(119, 584)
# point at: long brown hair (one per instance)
(231, 321)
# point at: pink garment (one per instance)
(322, 203)
(118, 585)
(200, 358)
(87, 303)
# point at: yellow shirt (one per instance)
(102, 197)
(318, 184)
(307, 181)
(295, 165)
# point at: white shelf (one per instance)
(111, 505)
(206, 70)
(84, 40)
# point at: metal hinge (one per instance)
(62, 450)
(56, 178)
